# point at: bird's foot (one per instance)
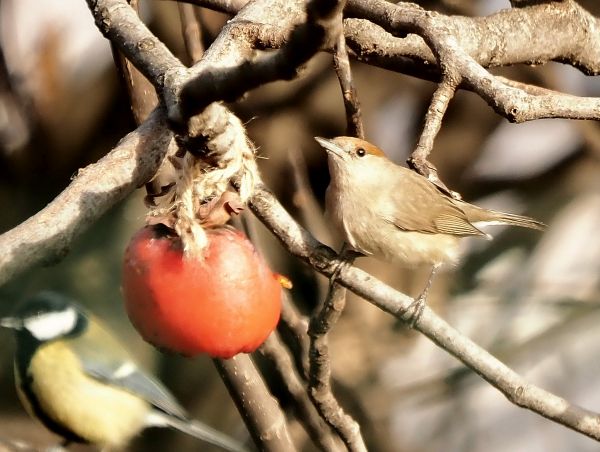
(415, 309)
(346, 259)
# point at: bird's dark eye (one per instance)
(361, 152)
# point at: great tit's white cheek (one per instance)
(51, 325)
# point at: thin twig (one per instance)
(274, 350)
(192, 34)
(319, 382)
(142, 95)
(296, 325)
(309, 209)
(259, 409)
(433, 123)
(322, 321)
(354, 125)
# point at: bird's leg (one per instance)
(417, 306)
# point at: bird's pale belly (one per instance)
(405, 247)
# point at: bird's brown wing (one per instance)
(424, 209)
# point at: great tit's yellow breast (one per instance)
(101, 414)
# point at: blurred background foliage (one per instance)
(531, 299)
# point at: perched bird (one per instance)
(80, 382)
(391, 212)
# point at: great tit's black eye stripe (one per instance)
(361, 152)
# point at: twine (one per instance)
(198, 182)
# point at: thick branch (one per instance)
(552, 31)
(223, 6)
(230, 83)
(514, 104)
(260, 411)
(46, 237)
(549, 31)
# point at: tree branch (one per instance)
(192, 34)
(319, 383)
(511, 36)
(433, 123)
(296, 326)
(306, 39)
(354, 125)
(46, 237)
(259, 409)
(274, 350)
(512, 103)
(522, 393)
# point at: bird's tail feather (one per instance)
(487, 216)
(515, 220)
(197, 430)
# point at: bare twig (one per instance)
(297, 326)
(319, 383)
(354, 125)
(433, 123)
(322, 321)
(260, 411)
(304, 198)
(320, 433)
(192, 34)
(142, 95)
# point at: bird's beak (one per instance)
(11, 322)
(331, 147)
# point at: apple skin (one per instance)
(225, 304)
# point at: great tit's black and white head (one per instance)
(46, 316)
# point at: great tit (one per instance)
(79, 381)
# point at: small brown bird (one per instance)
(391, 212)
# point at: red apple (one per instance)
(224, 304)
